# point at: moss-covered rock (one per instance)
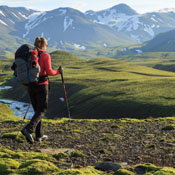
(37, 166)
(36, 155)
(123, 172)
(165, 171)
(144, 168)
(60, 155)
(78, 154)
(8, 166)
(6, 153)
(107, 166)
(11, 135)
(83, 171)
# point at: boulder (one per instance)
(107, 166)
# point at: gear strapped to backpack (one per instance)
(26, 65)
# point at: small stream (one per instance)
(19, 108)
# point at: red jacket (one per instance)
(45, 66)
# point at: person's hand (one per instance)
(60, 69)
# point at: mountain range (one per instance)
(67, 28)
(141, 27)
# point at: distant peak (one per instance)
(121, 5)
(124, 8)
(89, 12)
(166, 10)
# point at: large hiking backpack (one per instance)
(26, 68)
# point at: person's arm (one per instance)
(48, 65)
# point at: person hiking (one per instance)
(39, 93)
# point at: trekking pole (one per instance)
(65, 94)
(24, 118)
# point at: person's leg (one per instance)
(44, 106)
(35, 124)
(33, 99)
(39, 133)
(31, 127)
(32, 94)
(39, 130)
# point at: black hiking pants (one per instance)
(39, 99)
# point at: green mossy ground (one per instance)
(37, 163)
(133, 141)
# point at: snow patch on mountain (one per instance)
(154, 19)
(2, 13)
(22, 15)
(11, 21)
(63, 11)
(77, 46)
(133, 23)
(159, 19)
(67, 22)
(105, 45)
(111, 18)
(136, 37)
(3, 22)
(120, 21)
(149, 30)
(61, 42)
(15, 15)
(34, 20)
(139, 51)
(128, 23)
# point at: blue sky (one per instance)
(140, 6)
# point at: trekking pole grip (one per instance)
(60, 70)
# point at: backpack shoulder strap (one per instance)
(40, 52)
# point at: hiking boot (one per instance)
(42, 138)
(28, 136)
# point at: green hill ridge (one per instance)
(104, 88)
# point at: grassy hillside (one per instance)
(8, 45)
(160, 60)
(163, 42)
(149, 56)
(105, 88)
(145, 146)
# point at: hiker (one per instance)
(39, 92)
